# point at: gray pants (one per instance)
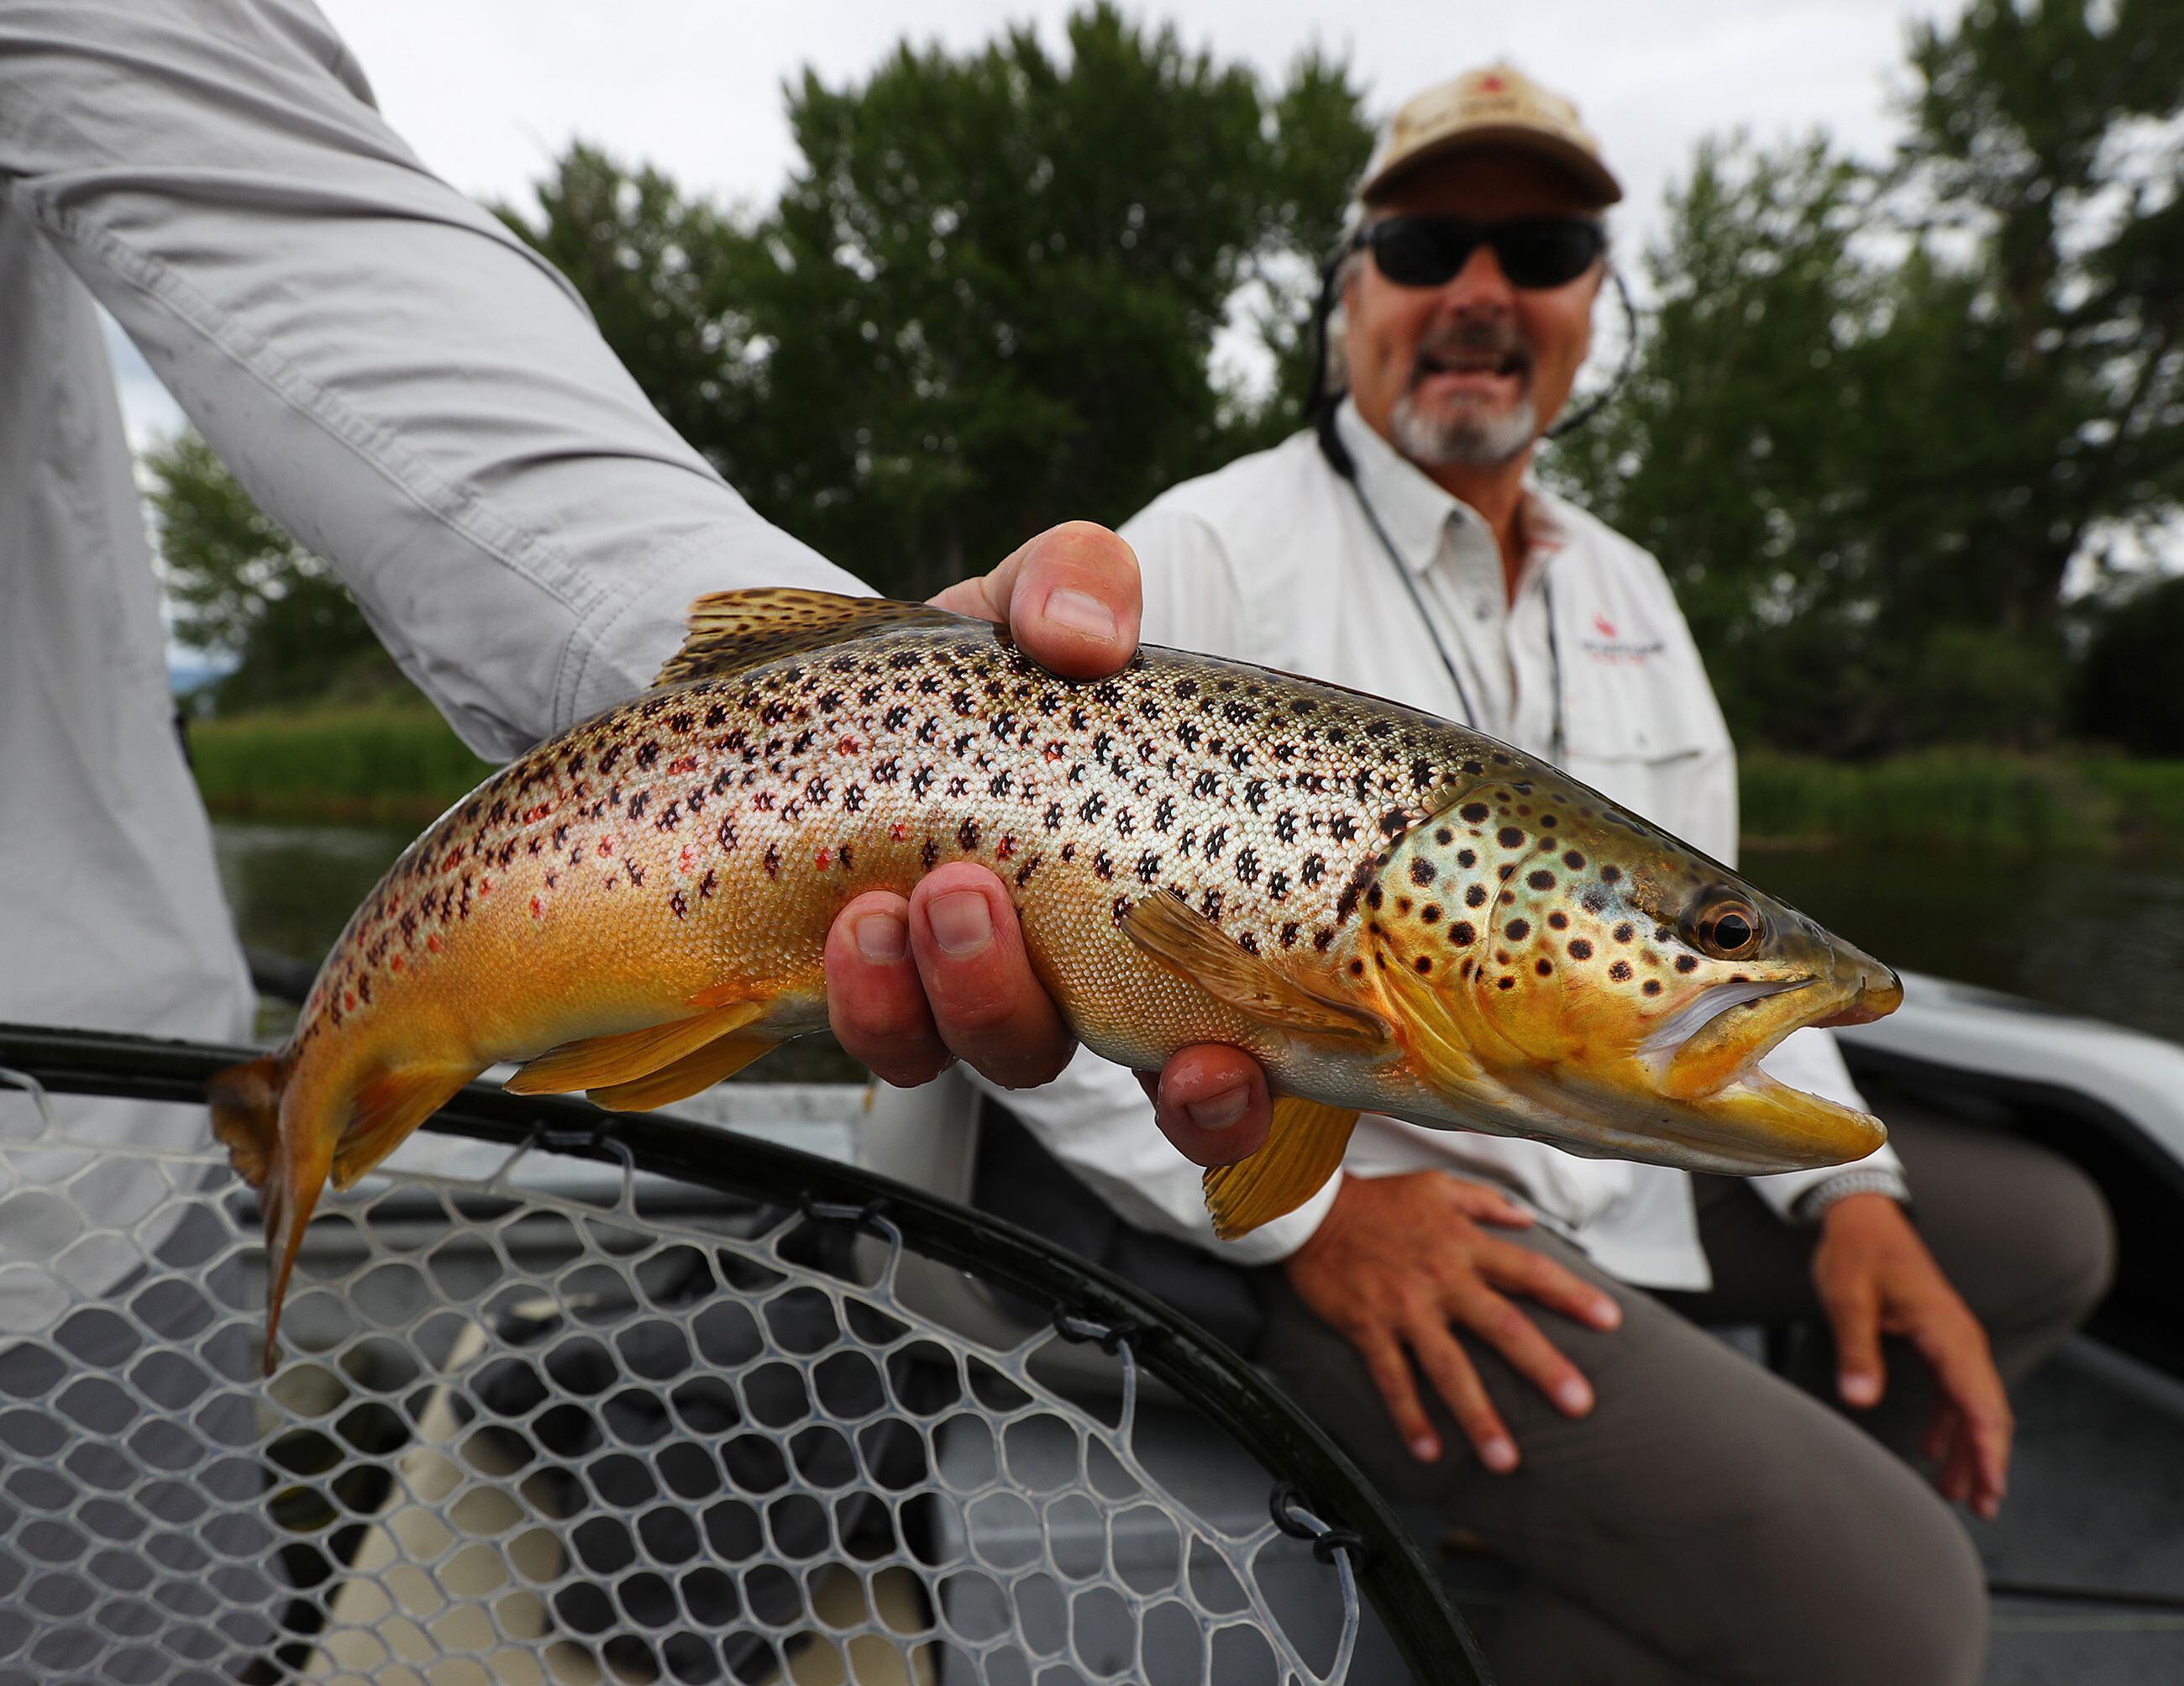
(134, 1545)
(1710, 1522)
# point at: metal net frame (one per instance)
(531, 1423)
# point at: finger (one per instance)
(1484, 1205)
(1212, 1103)
(1956, 1347)
(1457, 1382)
(1391, 1374)
(1070, 597)
(1531, 1353)
(988, 1004)
(1538, 1277)
(874, 1000)
(1855, 1314)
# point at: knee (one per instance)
(2067, 1252)
(1864, 1575)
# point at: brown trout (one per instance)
(1391, 913)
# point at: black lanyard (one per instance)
(1340, 460)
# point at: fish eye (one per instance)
(1728, 930)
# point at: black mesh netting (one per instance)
(520, 1433)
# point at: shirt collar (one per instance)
(1416, 510)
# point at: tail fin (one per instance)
(246, 1117)
(246, 1112)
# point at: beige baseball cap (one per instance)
(1497, 106)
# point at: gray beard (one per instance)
(1463, 440)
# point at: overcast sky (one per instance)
(489, 90)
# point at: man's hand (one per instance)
(1876, 1277)
(914, 983)
(1399, 1260)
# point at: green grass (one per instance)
(383, 765)
(1959, 798)
(404, 765)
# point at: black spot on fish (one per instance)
(1580, 949)
(1611, 875)
(1540, 880)
(1462, 934)
(1620, 971)
(1518, 929)
(1475, 897)
(1687, 962)
(1651, 986)
(1508, 837)
(1544, 967)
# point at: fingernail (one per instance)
(1606, 1314)
(1425, 1448)
(1860, 1389)
(1223, 1112)
(1080, 611)
(880, 938)
(1574, 1396)
(1499, 1456)
(962, 923)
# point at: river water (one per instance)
(2098, 934)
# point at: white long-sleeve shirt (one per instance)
(1272, 560)
(405, 387)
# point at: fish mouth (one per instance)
(1719, 1037)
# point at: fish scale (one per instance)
(1198, 851)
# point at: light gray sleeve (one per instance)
(417, 397)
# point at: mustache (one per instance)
(1468, 341)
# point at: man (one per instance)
(1682, 1515)
(424, 403)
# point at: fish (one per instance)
(1393, 914)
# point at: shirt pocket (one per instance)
(1644, 731)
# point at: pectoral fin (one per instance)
(611, 1062)
(1304, 1148)
(1201, 951)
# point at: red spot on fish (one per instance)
(537, 813)
(348, 1000)
(433, 944)
(682, 763)
(1008, 848)
(1054, 751)
(897, 831)
(824, 857)
(394, 964)
(685, 857)
(485, 886)
(537, 911)
(846, 746)
(606, 845)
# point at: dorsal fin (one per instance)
(730, 630)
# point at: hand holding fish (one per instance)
(1400, 1263)
(907, 996)
(1876, 1277)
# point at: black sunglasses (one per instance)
(1533, 251)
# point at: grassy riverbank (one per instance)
(387, 765)
(403, 765)
(1963, 799)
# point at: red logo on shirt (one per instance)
(1606, 627)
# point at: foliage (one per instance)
(987, 298)
(1944, 797)
(242, 587)
(1881, 415)
(2128, 694)
(394, 764)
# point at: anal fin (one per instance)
(1304, 1148)
(386, 1109)
(599, 1063)
(715, 1062)
(1199, 951)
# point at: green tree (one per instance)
(241, 588)
(987, 298)
(1880, 414)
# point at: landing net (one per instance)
(547, 1415)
